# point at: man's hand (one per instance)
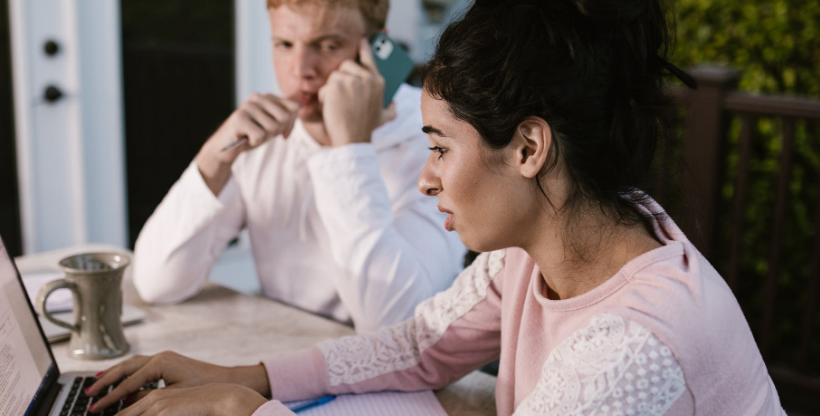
(352, 100)
(176, 371)
(209, 400)
(259, 118)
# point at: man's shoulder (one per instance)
(408, 95)
(407, 124)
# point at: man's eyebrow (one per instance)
(330, 36)
(432, 130)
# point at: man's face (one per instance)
(310, 41)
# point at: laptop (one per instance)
(32, 384)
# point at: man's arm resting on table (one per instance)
(203, 212)
(184, 237)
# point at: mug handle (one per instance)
(46, 291)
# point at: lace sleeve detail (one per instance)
(612, 367)
(355, 359)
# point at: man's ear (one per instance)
(532, 141)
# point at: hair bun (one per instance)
(613, 11)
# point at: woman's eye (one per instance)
(438, 149)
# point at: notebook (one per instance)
(422, 403)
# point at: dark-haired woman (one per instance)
(543, 117)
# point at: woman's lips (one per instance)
(448, 223)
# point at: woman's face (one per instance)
(490, 202)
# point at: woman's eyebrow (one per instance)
(432, 130)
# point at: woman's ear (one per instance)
(531, 142)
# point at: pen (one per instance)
(238, 141)
(312, 403)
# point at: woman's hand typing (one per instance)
(177, 372)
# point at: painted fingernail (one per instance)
(90, 408)
(98, 374)
(128, 400)
(86, 390)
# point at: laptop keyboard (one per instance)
(77, 402)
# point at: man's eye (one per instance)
(286, 45)
(438, 149)
(331, 47)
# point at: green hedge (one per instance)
(776, 46)
(775, 43)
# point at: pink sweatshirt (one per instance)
(664, 336)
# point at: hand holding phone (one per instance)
(393, 63)
(353, 100)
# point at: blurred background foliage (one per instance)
(775, 45)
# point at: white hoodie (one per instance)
(339, 231)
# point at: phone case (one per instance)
(393, 63)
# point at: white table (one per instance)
(226, 327)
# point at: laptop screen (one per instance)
(25, 360)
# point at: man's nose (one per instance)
(304, 65)
(429, 183)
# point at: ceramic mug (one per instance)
(95, 280)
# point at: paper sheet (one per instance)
(59, 301)
(422, 403)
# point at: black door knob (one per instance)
(52, 94)
(51, 47)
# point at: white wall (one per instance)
(254, 48)
(403, 21)
(408, 23)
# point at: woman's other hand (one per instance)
(208, 400)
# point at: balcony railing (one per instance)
(709, 112)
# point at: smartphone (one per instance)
(393, 62)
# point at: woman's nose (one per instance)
(429, 183)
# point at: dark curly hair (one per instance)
(592, 69)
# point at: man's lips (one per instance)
(305, 98)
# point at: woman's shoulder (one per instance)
(683, 303)
(492, 268)
(676, 280)
(512, 261)
(677, 290)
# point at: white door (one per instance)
(68, 117)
